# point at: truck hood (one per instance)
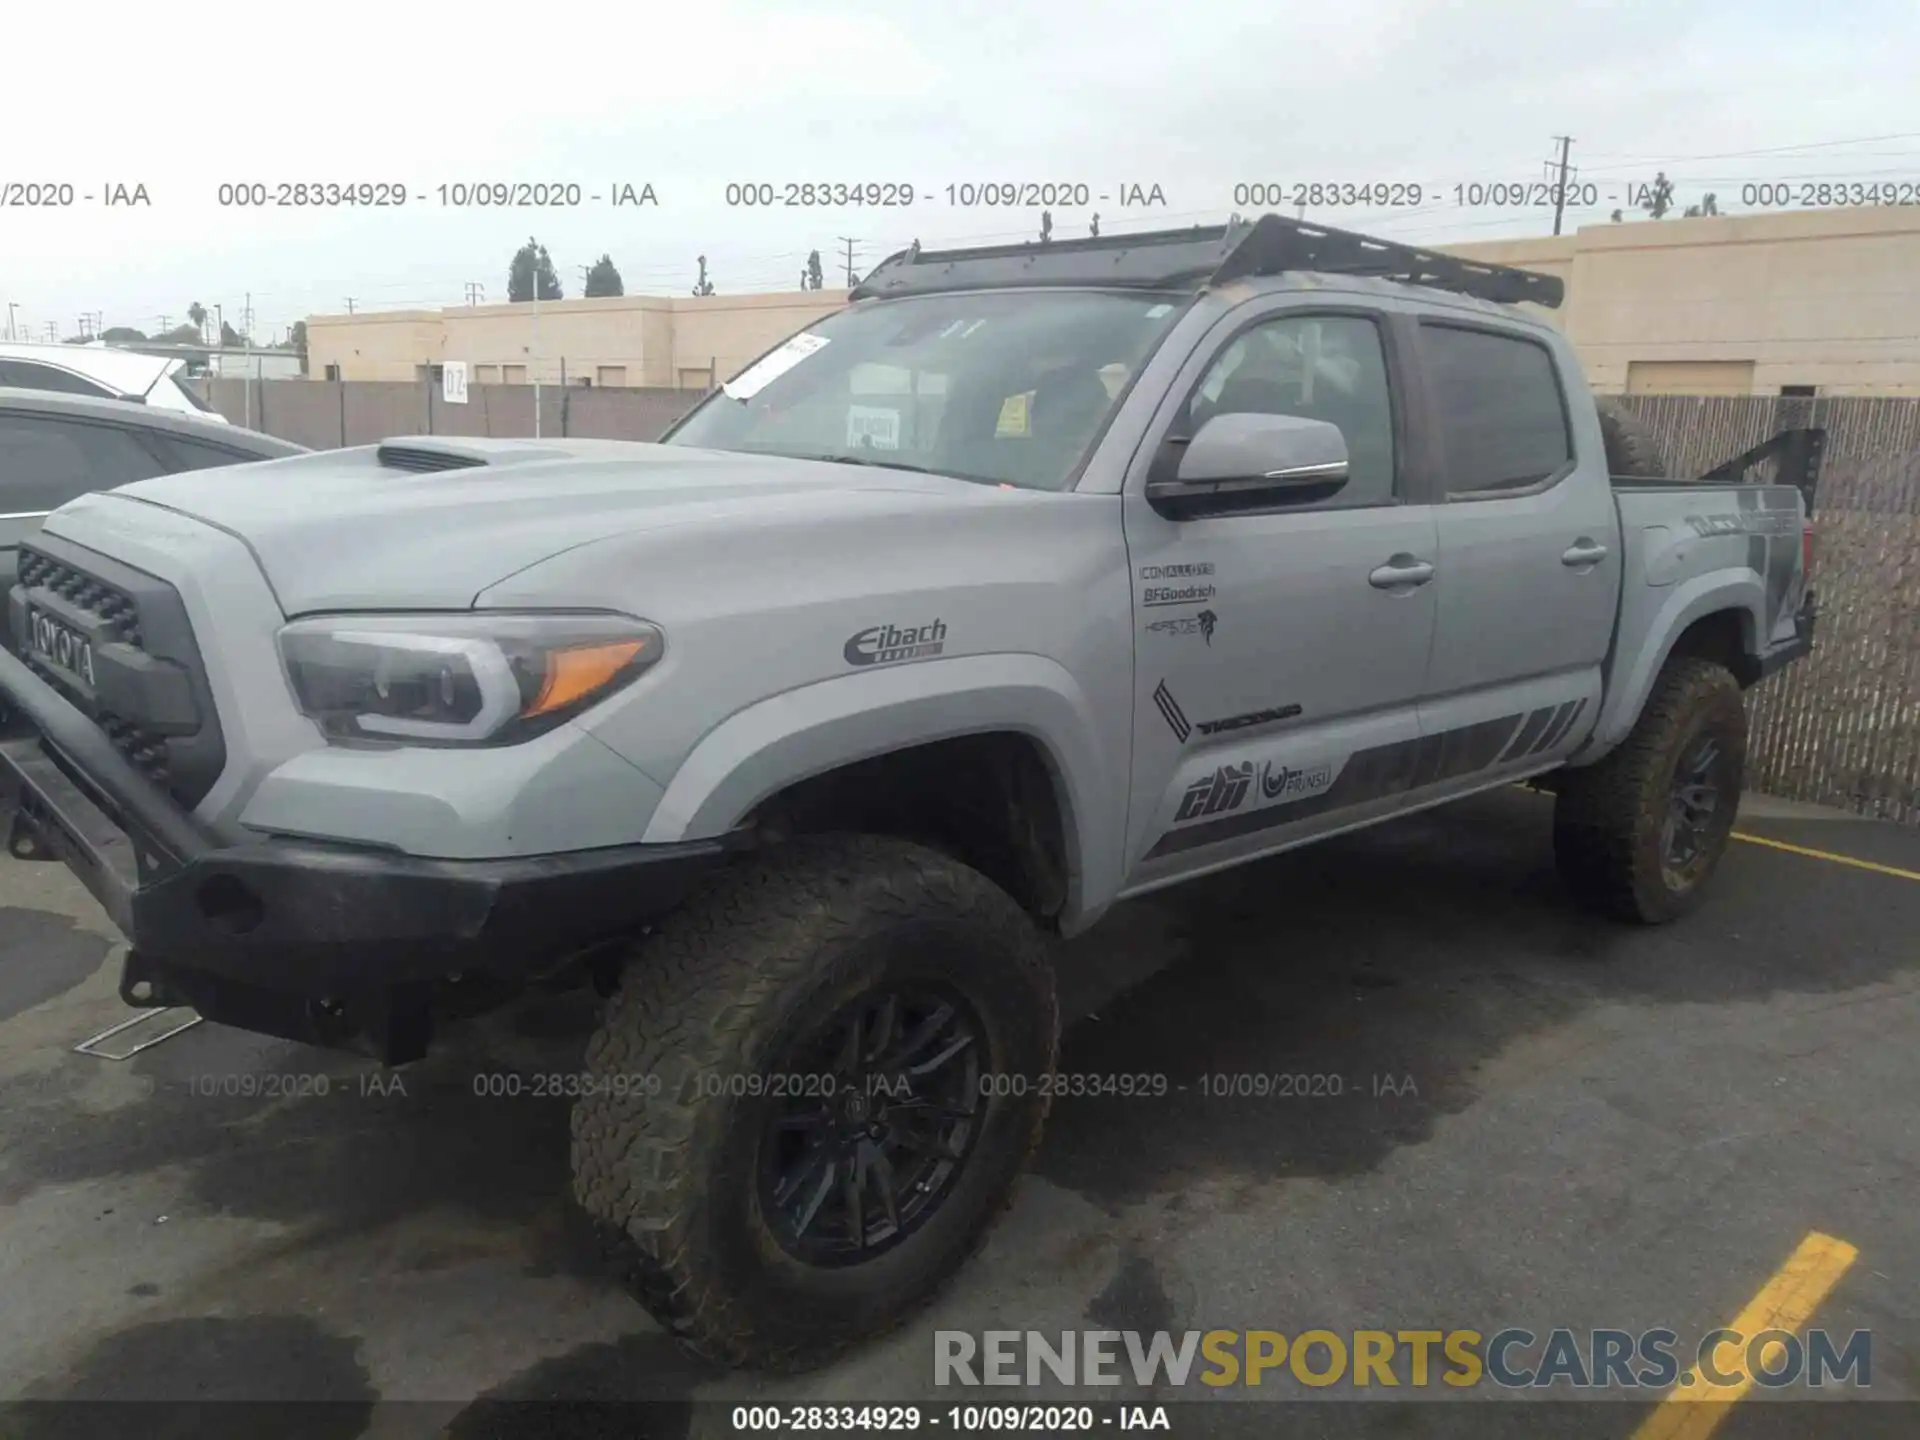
(350, 529)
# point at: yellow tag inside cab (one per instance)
(1013, 416)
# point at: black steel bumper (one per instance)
(332, 944)
(1797, 648)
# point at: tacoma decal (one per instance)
(1747, 522)
(1249, 720)
(888, 644)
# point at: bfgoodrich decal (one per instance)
(888, 644)
(1176, 595)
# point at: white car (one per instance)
(104, 372)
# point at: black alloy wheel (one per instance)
(878, 1118)
(1695, 802)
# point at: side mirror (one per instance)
(1241, 462)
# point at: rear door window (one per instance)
(31, 375)
(46, 461)
(1500, 410)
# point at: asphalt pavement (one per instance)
(1473, 1107)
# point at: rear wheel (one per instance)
(1637, 835)
(814, 1091)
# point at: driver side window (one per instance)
(1318, 367)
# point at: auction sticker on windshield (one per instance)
(870, 427)
(769, 368)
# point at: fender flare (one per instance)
(784, 739)
(1691, 601)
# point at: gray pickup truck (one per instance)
(1037, 578)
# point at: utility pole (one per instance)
(163, 319)
(53, 332)
(349, 304)
(850, 241)
(12, 305)
(1560, 180)
(246, 344)
(476, 292)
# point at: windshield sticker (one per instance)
(755, 378)
(1158, 310)
(869, 427)
(1013, 416)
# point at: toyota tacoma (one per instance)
(1037, 578)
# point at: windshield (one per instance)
(180, 382)
(999, 387)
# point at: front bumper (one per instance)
(332, 944)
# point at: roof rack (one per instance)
(1201, 258)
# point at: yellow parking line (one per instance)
(1857, 864)
(1692, 1409)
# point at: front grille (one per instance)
(115, 608)
(133, 608)
(119, 617)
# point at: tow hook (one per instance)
(25, 840)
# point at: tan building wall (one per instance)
(1739, 304)
(623, 341)
(1728, 305)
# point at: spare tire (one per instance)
(1632, 452)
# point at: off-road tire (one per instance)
(1607, 817)
(1632, 452)
(667, 1173)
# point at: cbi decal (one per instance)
(1216, 794)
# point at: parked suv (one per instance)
(1036, 579)
(104, 372)
(56, 446)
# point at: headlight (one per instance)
(472, 679)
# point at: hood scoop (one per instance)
(424, 454)
(419, 459)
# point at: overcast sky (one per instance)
(1194, 98)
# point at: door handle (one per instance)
(1402, 571)
(1584, 552)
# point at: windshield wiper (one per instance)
(880, 464)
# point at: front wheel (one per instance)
(813, 1093)
(1637, 835)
